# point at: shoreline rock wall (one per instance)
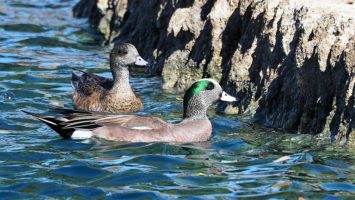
(291, 63)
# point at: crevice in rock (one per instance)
(206, 9)
(202, 50)
(340, 76)
(184, 3)
(230, 39)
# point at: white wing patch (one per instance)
(209, 79)
(140, 128)
(82, 134)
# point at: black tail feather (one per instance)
(54, 124)
(74, 77)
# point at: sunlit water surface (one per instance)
(40, 42)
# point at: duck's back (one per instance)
(89, 83)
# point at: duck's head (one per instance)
(202, 94)
(126, 54)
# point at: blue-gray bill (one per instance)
(226, 97)
(141, 62)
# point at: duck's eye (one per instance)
(122, 51)
(210, 86)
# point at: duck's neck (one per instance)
(120, 76)
(195, 113)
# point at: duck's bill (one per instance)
(227, 97)
(141, 62)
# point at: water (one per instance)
(40, 42)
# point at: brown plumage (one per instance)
(96, 93)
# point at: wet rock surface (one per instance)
(291, 63)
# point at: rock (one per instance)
(291, 63)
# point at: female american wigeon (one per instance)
(96, 93)
(195, 126)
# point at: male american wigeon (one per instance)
(194, 127)
(96, 93)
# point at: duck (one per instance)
(95, 93)
(194, 127)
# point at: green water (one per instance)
(40, 42)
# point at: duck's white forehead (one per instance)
(131, 48)
(209, 79)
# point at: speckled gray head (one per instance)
(125, 54)
(202, 94)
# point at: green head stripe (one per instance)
(195, 88)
